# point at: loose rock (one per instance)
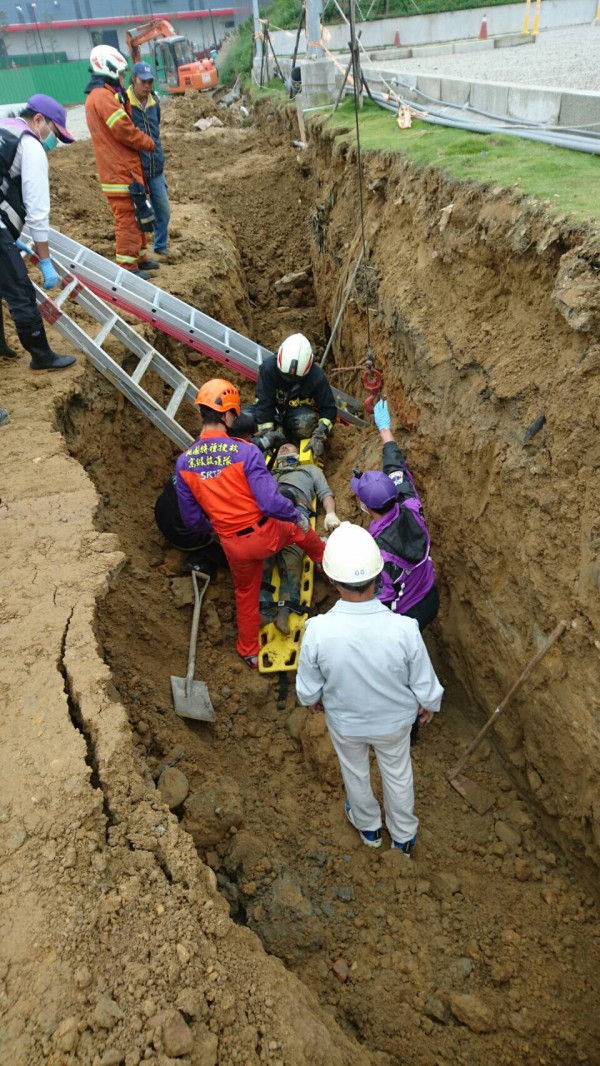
(341, 970)
(472, 1012)
(508, 833)
(173, 786)
(177, 1035)
(107, 1013)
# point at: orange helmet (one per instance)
(219, 395)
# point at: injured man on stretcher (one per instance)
(301, 483)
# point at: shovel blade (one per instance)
(195, 703)
(477, 797)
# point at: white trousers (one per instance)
(393, 758)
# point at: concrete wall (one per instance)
(554, 107)
(445, 26)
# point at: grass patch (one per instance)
(565, 178)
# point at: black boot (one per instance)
(5, 351)
(49, 360)
(42, 357)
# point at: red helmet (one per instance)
(220, 395)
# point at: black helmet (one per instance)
(299, 423)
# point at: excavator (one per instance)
(177, 70)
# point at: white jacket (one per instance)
(369, 667)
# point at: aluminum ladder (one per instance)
(168, 313)
(113, 326)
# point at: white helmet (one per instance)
(351, 555)
(107, 61)
(295, 356)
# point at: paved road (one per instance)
(568, 58)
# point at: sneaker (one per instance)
(405, 848)
(148, 264)
(250, 660)
(370, 837)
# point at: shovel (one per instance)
(191, 697)
(479, 798)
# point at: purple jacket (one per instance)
(401, 534)
(226, 479)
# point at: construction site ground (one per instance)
(249, 924)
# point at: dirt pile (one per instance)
(130, 938)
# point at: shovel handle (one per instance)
(460, 765)
(198, 597)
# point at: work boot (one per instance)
(137, 273)
(4, 416)
(148, 264)
(282, 621)
(49, 360)
(35, 341)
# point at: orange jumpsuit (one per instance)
(117, 146)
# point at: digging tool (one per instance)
(191, 698)
(479, 798)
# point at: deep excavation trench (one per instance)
(484, 948)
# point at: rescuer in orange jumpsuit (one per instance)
(117, 146)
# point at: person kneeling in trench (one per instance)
(373, 676)
(391, 500)
(197, 540)
(227, 479)
(300, 482)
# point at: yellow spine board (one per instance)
(277, 652)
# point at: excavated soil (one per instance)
(128, 931)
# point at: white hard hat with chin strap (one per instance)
(107, 61)
(295, 356)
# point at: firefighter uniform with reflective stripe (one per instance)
(117, 146)
(227, 479)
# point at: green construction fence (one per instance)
(63, 81)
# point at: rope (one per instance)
(357, 89)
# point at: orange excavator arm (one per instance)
(149, 31)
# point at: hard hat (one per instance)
(374, 488)
(351, 555)
(220, 395)
(295, 356)
(107, 61)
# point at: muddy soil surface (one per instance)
(483, 948)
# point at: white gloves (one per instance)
(331, 522)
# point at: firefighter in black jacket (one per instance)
(288, 381)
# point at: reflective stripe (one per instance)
(326, 422)
(115, 117)
(127, 258)
(115, 188)
(265, 425)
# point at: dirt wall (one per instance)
(486, 320)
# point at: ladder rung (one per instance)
(63, 296)
(142, 367)
(105, 330)
(176, 398)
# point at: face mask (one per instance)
(51, 140)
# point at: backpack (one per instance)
(12, 208)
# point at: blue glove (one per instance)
(381, 415)
(23, 247)
(51, 278)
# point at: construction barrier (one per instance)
(63, 81)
